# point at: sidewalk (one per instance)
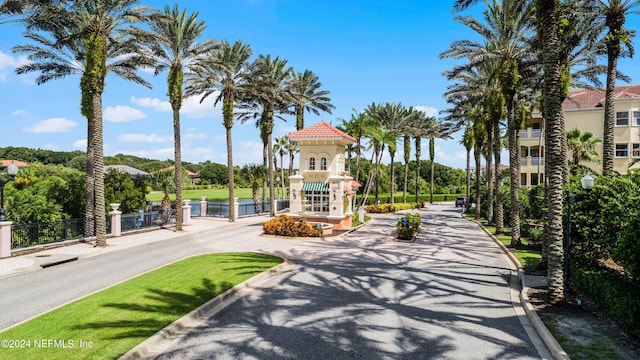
(42, 259)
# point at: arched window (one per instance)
(312, 163)
(323, 163)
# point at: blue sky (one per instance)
(362, 51)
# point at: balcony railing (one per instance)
(531, 161)
(531, 134)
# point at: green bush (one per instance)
(617, 294)
(408, 226)
(285, 225)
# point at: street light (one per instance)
(587, 182)
(12, 169)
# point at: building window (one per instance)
(636, 118)
(622, 118)
(318, 201)
(323, 163)
(622, 150)
(635, 150)
(312, 163)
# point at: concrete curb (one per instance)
(165, 338)
(550, 342)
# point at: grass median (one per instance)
(107, 324)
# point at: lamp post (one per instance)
(587, 182)
(12, 169)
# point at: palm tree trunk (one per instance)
(255, 192)
(392, 182)
(547, 12)
(282, 172)
(372, 178)
(232, 210)
(514, 173)
(432, 155)
(609, 113)
(89, 216)
(358, 155)
(468, 182)
(407, 154)
(489, 175)
(418, 140)
(477, 154)
(499, 212)
(178, 165)
(100, 219)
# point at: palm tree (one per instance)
(292, 148)
(615, 12)
(406, 131)
(391, 116)
(172, 44)
(468, 142)
(307, 96)
(439, 130)
(357, 127)
(164, 181)
(96, 30)
(223, 73)
(255, 173)
(423, 127)
(266, 92)
(280, 148)
(581, 146)
(379, 137)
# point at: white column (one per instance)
(5, 239)
(203, 206)
(236, 207)
(116, 220)
(186, 212)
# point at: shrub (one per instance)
(285, 225)
(380, 209)
(408, 226)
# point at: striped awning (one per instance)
(315, 186)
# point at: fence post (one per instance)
(203, 206)
(116, 220)
(5, 239)
(186, 212)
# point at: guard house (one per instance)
(322, 189)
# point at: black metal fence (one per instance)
(30, 235)
(24, 236)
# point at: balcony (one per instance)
(531, 134)
(531, 161)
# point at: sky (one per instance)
(362, 52)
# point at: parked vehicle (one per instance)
(461, 201)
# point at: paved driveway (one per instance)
(366, 296)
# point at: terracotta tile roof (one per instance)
(17, 163)
(320, 130)
(172, 167)
(587, 99)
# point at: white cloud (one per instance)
(144, 138)
(121, 113)
(8, 63)
(154, 103)
(20, 113)
(429, 110)
(80, 144)
(195, 135)
(53, 125)
(201, 154)
(247, 152)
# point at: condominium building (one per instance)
(584, 110)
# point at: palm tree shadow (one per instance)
(160, 308)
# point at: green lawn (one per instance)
(211, 194)
(109, 323)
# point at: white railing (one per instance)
(531, 134)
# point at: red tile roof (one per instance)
(586, 99)
(173, 167)
(320, 130)
(6, 163)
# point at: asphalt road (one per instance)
(446, 296)
(365, 296)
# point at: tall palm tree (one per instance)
(406, 131)
(423, 127)
(439, 130)
(292, 149)
(468, 142)
(357, 127)
(280, 148)
(379, 137)
(266, 87)
(307, 95)
(223, 73)
(582, 146)
(96, 29)
(164, 181)
(255, 173)
(172, 44)
(391, 116)
(615, 13)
